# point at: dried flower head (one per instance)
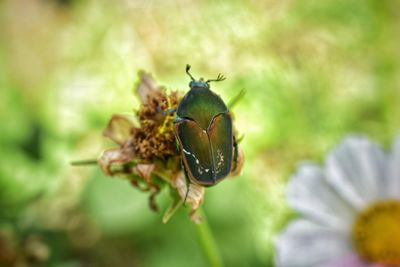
(148, 154)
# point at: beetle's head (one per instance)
(201, 83)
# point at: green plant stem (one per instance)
(207, 242)
(84, 162)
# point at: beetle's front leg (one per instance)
(187, 184)
(235, 154)
(237, 160)
(165, 112)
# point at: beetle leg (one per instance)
(236, 153)
(178, 119)
(237, 160)
(186, 195)
(187, 184)
(165, 112)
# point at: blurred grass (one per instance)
(313, 72)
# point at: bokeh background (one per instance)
(313, 71)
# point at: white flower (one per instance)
(350, 209)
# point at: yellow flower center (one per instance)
(376, 233)
(168, 124)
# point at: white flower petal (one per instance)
(309, 193)
(393, 184)
(356, 169)
(307, 244)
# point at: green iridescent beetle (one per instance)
(203, 128)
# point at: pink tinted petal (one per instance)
(351, 260)
(310, 194)
(356, 168)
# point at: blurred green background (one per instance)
(313, 71)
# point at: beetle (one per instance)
(204, 130)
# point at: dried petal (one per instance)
(114, 155)
(146, 86)
(144, 171)
(119, 129)
(195, 217)
(152, 199)
(194, 196)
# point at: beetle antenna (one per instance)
(220, 77)
(188, 73)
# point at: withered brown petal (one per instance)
(115, 155)
(119, 129)
(146, 86)
(194, 197)
(155, 190)
(144, 171)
